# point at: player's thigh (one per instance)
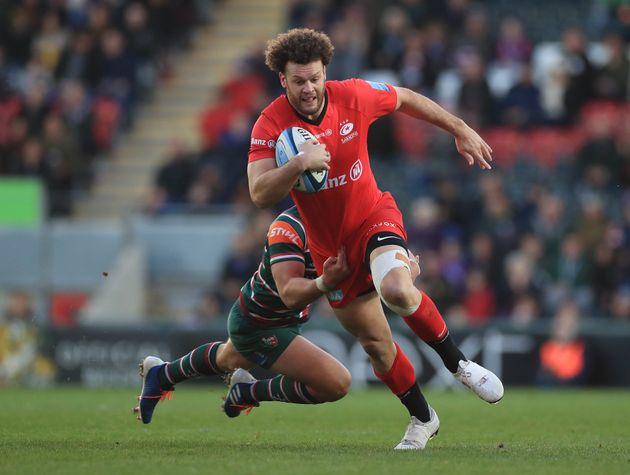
(229, 359)
(364, 318)
(305, 362)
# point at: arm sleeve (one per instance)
(376, 99)
(263, 141)
(285, 244)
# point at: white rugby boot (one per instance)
(483, 382)
(419, 433)
(240, 381)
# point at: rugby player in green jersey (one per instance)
(264, 330)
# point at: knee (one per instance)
(398, 293)
(340, 385)
(377, 348)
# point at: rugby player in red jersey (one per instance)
(352, 212)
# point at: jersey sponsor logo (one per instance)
(335, 181)
(271, 144)
(379, 86)
(260, 142)
(346, 128)
(347, 139)
(356, 171)
(326, 133)
(282, 232)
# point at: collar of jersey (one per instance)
(319, 118)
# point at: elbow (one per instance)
(259, 200)
(291, 301)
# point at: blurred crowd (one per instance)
(547, 88)
(72, 74)
(547, 228)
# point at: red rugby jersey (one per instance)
(351, 192)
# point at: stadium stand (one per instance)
(549, 92)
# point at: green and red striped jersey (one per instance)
(286, 241)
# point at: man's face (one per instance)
(305, 86)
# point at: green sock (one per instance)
(280, 389)
(200, 361)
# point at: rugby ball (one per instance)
(287, 147)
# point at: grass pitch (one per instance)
(79, 431)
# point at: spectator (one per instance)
(611, 80)
(475, 103)
(519, 285)
(117, 73)
(350, 38)
(521, 106)
(17, 37)
(620, 306)
(525, 309)
(513, 46)
(50, 42)
(568, 274)
(425, 229)
(579, 70)
(592, 222)
(79, 61)
(20, 361)
(565, 358)
(388, 43)
(436, 51)
(142, 43)
(479, 299)
(476, 36)
(598, 162)
(173, 180)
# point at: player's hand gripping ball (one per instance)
(287, 147)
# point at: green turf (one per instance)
(72, 430)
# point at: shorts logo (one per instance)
(335, 295)
(259, 358)
(260, 142)
(270, 341)
(356, 171)
(271, 144)
(346, 128)
(380, 224)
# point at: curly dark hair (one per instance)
(299, 45)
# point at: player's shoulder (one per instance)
(293, 218)
(342, 89)
(354, 84)
(289, 224)
(350, 91)
(276, 113)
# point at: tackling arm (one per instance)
(296, 291)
